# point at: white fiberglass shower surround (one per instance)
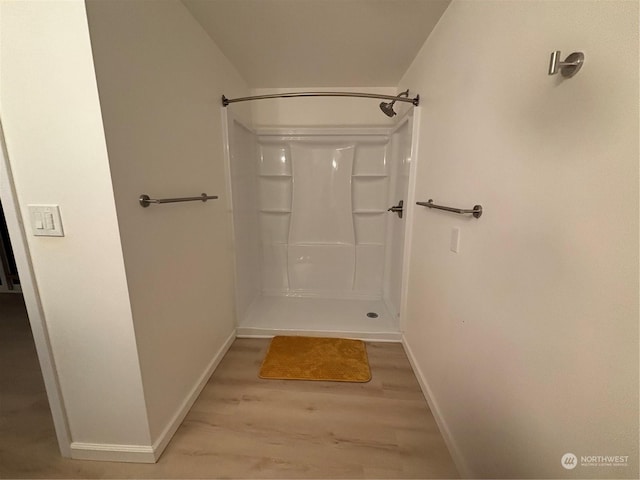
(316, 250)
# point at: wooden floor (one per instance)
(240, 426)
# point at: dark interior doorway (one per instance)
(9, 280)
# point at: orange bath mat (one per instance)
(316, 358)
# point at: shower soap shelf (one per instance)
(274, 210)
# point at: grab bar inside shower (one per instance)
(145, 201)
(476, 211)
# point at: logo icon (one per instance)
(569, 461)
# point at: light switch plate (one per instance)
(46, 220)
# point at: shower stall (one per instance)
(318, 248)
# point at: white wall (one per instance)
(243, 166)
(51, 117)
(160, 80)
(400, 165)
(528, 338)
(319, 111)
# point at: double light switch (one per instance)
(46, 221)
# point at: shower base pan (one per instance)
(273, 315)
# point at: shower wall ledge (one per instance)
(324, 131)
(320, 294)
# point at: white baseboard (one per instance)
(461, 465)
(112, 453)
(163, 440)
(151, 453)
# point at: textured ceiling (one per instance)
(319, 43)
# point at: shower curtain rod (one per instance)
(415, 101)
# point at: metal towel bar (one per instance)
(476, 211)
(145, 201)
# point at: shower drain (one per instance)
(372, 315)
